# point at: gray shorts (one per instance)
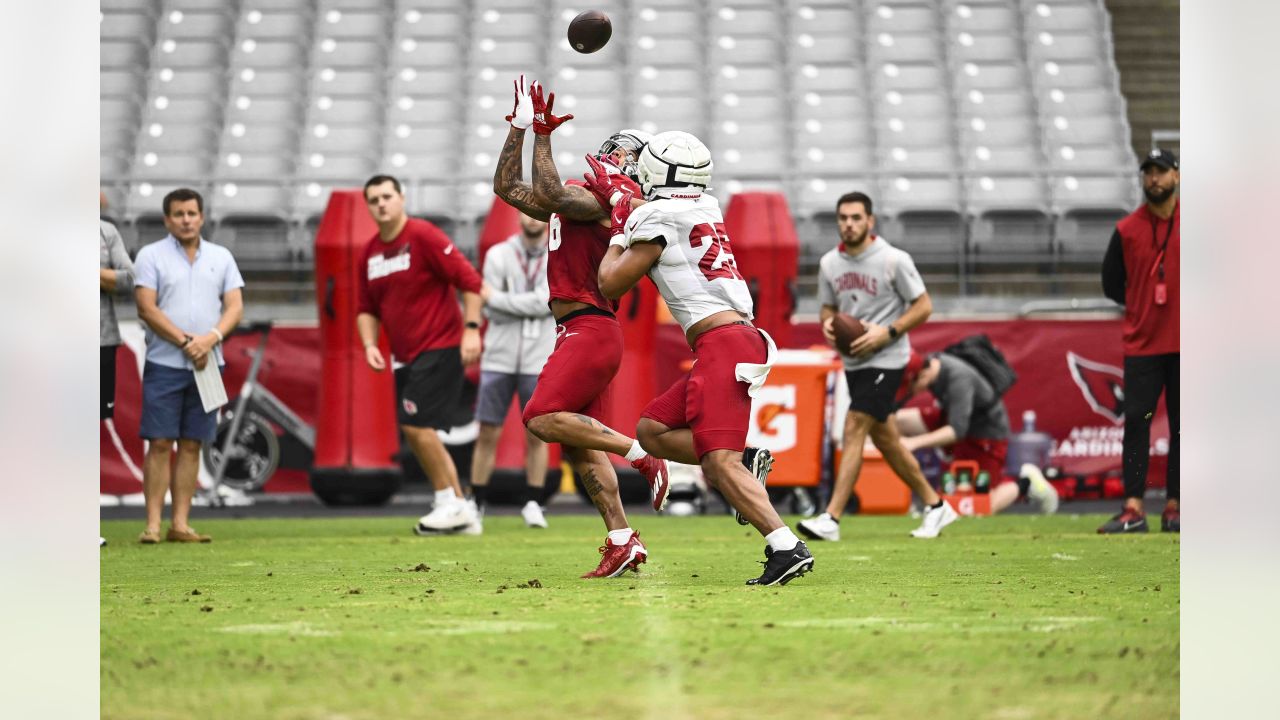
(496, 389)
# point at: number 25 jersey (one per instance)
(695, 273)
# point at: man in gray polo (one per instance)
(520, 337)
(871, 280)
(188, 295)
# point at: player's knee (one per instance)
(160, 448)
(540, 426)
(718, 464)
(647, 432)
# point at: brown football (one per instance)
(590, 31)
(847, 329)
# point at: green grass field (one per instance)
(1008, 618)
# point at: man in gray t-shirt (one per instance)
(871, 280)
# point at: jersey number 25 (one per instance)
(717, 255)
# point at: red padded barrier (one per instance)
(767, 251)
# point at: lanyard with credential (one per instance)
(530, 270)
(1162, 290)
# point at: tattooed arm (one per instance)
(571, 201)
(508, 179)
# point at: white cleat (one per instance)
(532, 514)
(821, 527)
(455, 516)
(934, 520)
(1039, 490)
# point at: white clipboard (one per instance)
(213, 394)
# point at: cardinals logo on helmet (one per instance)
(1102, 386)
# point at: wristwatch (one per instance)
(186, 341)
(893, 333)
(471, 325)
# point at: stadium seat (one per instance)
(416, 82)
(171, 138)
(908, 105)
(1059, 130)
(994, 103)
(840, 19)
(999, 131)
(682, 19)
(118, 110)
(123, 54)
(744, 21)
(173, 166)
(984, 194)
(922, 159)
(253, 166)
(995, 75)
(819, 49)
(841, 158)
(349, 110)
(828, 78)
(195, 25)
(905, 193)
(908, 76)
(684, 81)
(915, 132)
(590, 81)
(426, 19)
(827, 106)
(740, 50)
(1084, 74)
(816, 198)
(195, 54)
(255, 24)
(195, 82)
(420, 110)
(888, 47)
(745, 79)
(120, 83)
(982, 17)
(186, 110)
(426, 53)
(267, 109)
(433, 199)
(1066, 47)
(985, 47)
(842, 132)
(1081, 236)
(1080, 102)
(1075, 193)
(350, 23)
(1081, 16)
(349, 169)
(127, 26)
(366, 83)
(1002, 159)
(1082, 159)
(265, 139)
(517, 53)
(284, 54)
(348, 53)
(341, 139)
(893, 18)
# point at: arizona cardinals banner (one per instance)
(1069, 373)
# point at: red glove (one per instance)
(607, 183)
(543, 121)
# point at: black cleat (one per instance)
(1126, 521)
(1171, 521)
(782, 567)
(759, 461)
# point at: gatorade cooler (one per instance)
(787, 416)
(766, 251)
(356, 435)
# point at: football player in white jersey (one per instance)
(678, 239)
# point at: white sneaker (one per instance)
(935, 519)
(449, 517)
(532, 514)
(1039, 490)
(821, 527)
(102, 542)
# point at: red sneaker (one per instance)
(655, 471)
(1127, 520)
(618, 559)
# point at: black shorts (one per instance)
(429, 390)
(872, 391)
(107, 362)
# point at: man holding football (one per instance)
(869, 279)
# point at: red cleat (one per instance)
(618, 559)
(655, 472)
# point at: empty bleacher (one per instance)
(991, 133)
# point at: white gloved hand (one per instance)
(521, 116)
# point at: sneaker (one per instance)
(781, 567)
(532, 514)
(1039, 490)
(618, 559)
(822, 527)
(476, 526)
(102, 542)
(149, 537)
(655, 472)
(934, 520)
(448, 517)
(1127, 520)
(1169, 520)
(759, 461)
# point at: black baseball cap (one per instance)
(1164, 158)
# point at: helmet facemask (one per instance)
(630, 141)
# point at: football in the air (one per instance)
(590, 31)
(847, 329)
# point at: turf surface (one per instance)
(1009, 617)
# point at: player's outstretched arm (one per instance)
(571, 201)
(508, 178)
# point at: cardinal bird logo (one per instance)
(1102, 386)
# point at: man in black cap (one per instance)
(1140, 271)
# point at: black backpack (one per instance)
(978, 351)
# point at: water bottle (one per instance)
(984, 482)
(948, 483)
(1028, 446)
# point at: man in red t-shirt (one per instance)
(408, 277)
(1140, 271)
(572, 390)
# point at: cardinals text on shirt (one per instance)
(856, 281)
(380, 266)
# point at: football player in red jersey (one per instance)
(572, 389)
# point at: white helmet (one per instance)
(631, 140)
(674, 162)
